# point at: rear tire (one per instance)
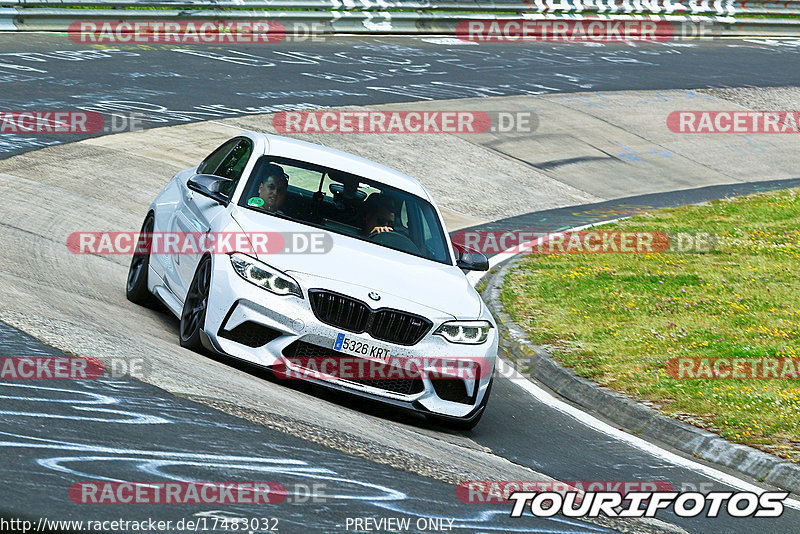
(193, 316)
(136, 287)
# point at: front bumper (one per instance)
(234, 302)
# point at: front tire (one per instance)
(193, 316)
(136, 287)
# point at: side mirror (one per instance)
(210, 186)
(470, 260)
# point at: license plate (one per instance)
(359, 347)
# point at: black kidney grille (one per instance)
(351, 314)
(399, 327)
(339, 310)
(303, 351)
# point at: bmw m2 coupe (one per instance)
(383, 286)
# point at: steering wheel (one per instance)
(394, 239)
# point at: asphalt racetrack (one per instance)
(202, 417)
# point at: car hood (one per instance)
(372, 268)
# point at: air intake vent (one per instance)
(452, 389)
(250, 334)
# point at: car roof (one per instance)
(277, 145)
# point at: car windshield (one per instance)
(346, 204)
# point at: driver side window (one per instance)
(228, 161)
(233, 165)
(212, 161)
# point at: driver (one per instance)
(272, 189)
(378, 214)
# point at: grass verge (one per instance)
(618, 318)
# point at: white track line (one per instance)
(233, 126)
(596, 424)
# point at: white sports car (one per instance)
(384, 286)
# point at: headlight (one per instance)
(468, 332)
(264, 276)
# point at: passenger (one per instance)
(348, 201)
(378, 214)
(272, 189)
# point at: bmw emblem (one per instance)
(374, 296)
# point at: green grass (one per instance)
(617, 318)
